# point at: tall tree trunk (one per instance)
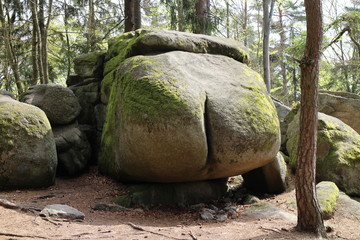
(132, 15)
(202, 17)
(309, 216)
(9, 50)
(35, 43)
(245, 24)
(42, 52)
(68, 47)
(91, 27)
(227, 19)
(180, 17)
(268, 7)
(282, 54)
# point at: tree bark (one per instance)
(282, 54)
(91, 27)
(35, 43)
(132, 15)
(309, 216)
(202, 14)
(268, 7)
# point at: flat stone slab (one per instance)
(62, 211)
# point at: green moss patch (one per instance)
(327, 194)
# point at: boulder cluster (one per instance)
(170, 107)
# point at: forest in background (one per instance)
(40, 38)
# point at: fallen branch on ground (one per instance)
(136, 227)
(21, 236)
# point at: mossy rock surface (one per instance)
(338, 152)
(27, 146)
(327, 195)
(342, 105)
(144, 41)
(181, 116)
(90, 65)
(152, 194)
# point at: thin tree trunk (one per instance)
(180, 18)
(91, 27)
(35, 44)
(282, 54)
(309, 216)
(245, 22)
(268, 6)
(9, 51)
(227, 19)
(68, 47)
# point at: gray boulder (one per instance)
(145, 41)
(27, 147)
(59, 103)
(90, 65)
(73, 149)
(182, 116)
(62, 211)
(142, 42)
(342, 105)
(338, 152)
(88, 96)
(270, 178)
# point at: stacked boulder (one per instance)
(85, 84)
(62, 109)
(183, 107)
(27, 148)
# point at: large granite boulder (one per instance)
(73, 149)
(27, 147)
(142, 42)
(342, 105)
(181, 116)
(145, 41)
(59, 103)
(338, 152)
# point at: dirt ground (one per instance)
(90, 188)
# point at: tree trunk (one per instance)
(245, 22)
(282, 54)
(91, 27)
(180, 17)
(68, 47)
(227, 19)
(268, 6)
(202, 14)
(35, 43)
(9, 50)
(132, 15)
(309, 216)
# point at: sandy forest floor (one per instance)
(155, 223)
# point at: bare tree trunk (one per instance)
(245, 25)
(282, 54)
(68, 47)
(227, 19)
(9, 50)
(180, 18)
(268, 7)
(35, 43)
(309, 216)
(202, 14)
(132, 15)
(91, 27)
